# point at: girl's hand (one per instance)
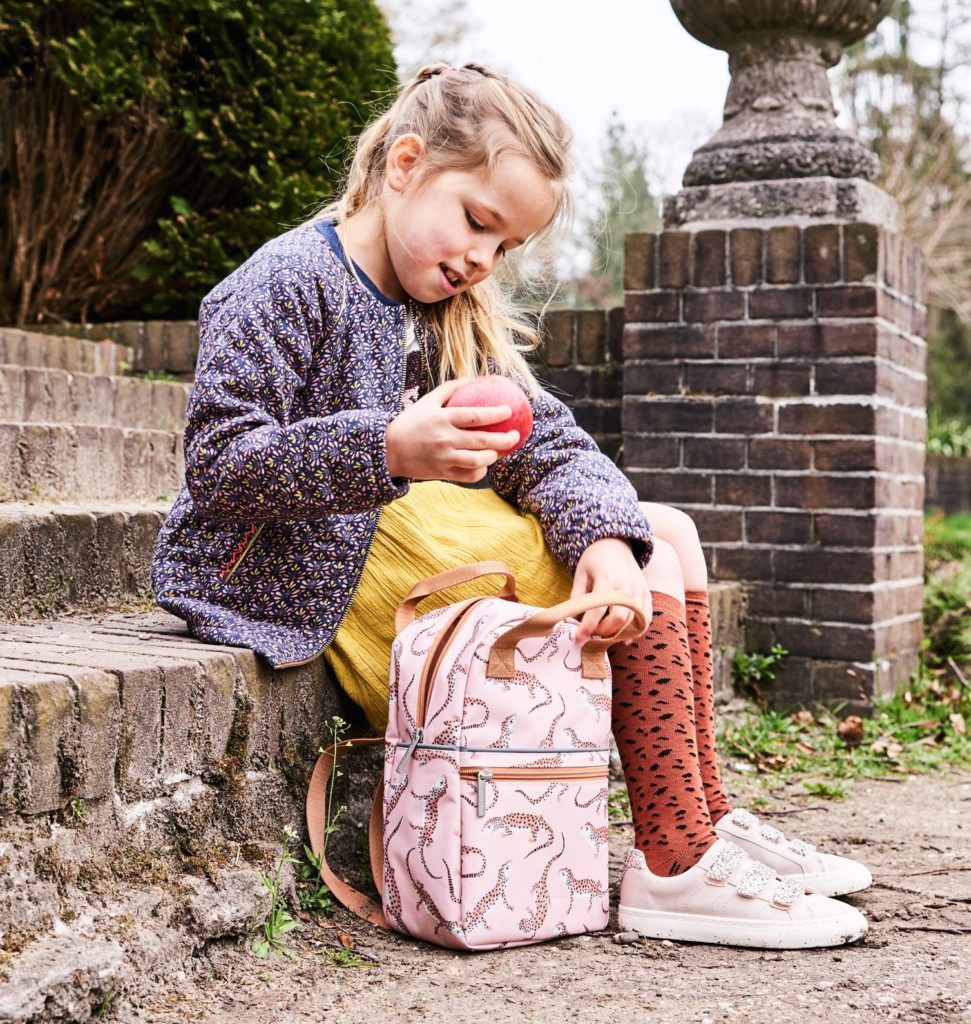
(609, 564)
(429, 442)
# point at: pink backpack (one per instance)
(494, 803)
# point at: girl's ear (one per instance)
(403, 158)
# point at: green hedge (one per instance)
(259, 102)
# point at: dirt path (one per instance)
(914, 833)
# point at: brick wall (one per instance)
(948, 480)
(581, 363)
(774, 388)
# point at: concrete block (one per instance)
(130, 333)
(11, 753)
(72, 356)
(98, 462)
(47, 705)
(102, 400)
(141, 394)
(12, 343)
(127, 401)
(180, 746)
(12, 557)
(35, 349)
(152, 355)
(55, 353)
(183, 346)
(49, 466)
(11, 461)
(13, 392)
(137, 462)
(141, 530)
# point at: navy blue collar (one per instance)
(328, 230)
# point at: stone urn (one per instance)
(779, 114)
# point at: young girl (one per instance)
(321, 471)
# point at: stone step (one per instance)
(127, 706)
(169, 346)
(58, 461)
(56, 558)
(34, 348)
(36, 394)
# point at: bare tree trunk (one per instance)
(80, 196)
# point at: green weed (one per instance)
(922, 728)
(312, 894)
(278, 923)
(949, 436)
(618, 807)
(163, 375)
(947, 538)
(826, 790)
(751, 670)
(347, 958)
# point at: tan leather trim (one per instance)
(463, 574)
(593, 656)
(355, 901)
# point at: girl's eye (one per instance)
(476, 226)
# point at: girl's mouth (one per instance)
(451, 282)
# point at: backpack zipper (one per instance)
(428, 675)
(482, 776)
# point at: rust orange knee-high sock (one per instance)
(653, 723)
(699, 642)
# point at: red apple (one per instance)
(495, 390)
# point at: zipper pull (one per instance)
(481, 779)
(416, 737)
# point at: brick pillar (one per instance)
(774, 388)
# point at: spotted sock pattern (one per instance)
(653, 723)
(698, 620)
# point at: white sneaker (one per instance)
(729, 899)
(792, 858)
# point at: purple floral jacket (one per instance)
(301, 368)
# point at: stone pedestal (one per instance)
(774, 388)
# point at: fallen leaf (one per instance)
(850, 730)
(802, 717)
(346, 941)
(958, 724)
(805, 748)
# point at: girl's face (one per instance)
(447, 232)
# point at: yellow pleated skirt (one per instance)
(436, 526)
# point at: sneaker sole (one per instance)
(727, 931)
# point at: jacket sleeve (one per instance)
(245, 459)
(576, 492)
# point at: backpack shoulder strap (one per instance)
(359, 904)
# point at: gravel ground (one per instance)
(914, 965)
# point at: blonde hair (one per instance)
(467, 119)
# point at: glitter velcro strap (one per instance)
(799, 847)
(772, 834)
(744, 819)
(788, 891)
(755, 879)
(728, 859)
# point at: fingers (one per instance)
(602, 622)
(481, 440)
(468, 417)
